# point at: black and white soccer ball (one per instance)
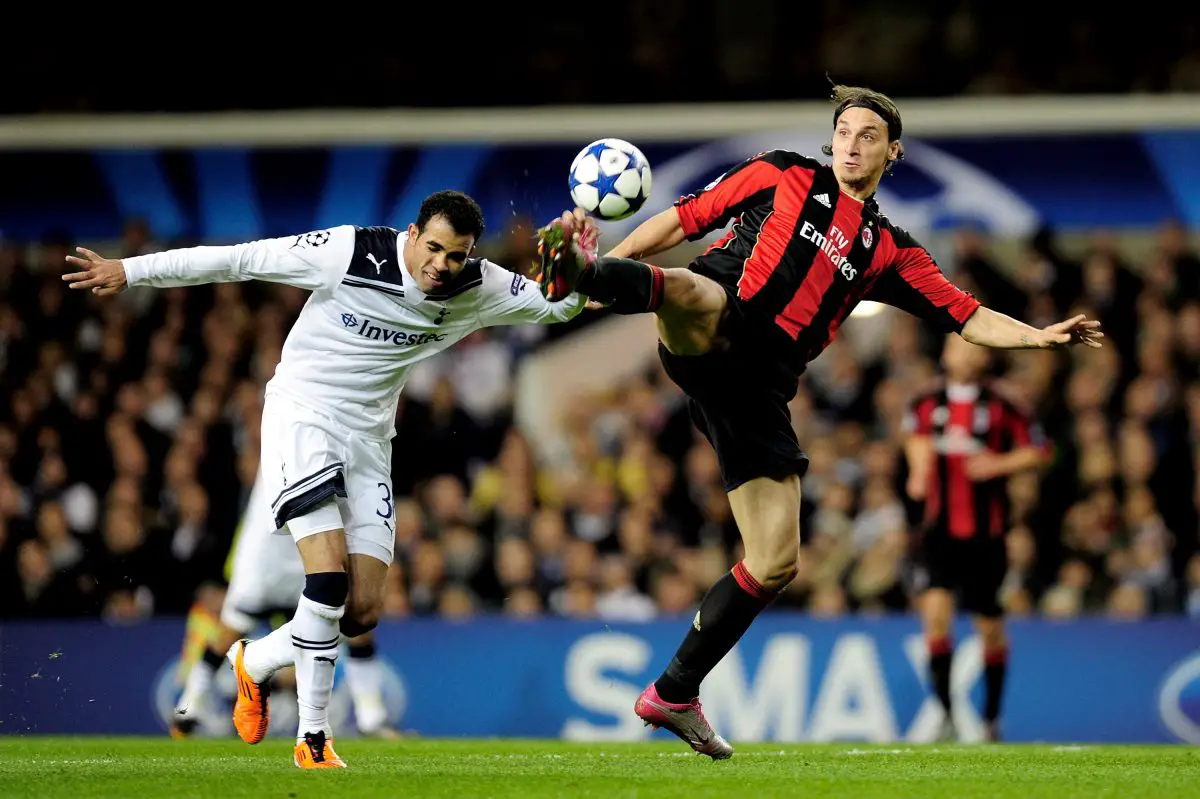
(610, 179)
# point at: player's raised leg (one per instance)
(689, 306)
(767, 511)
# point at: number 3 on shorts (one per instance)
(386, 513)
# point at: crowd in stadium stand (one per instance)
(129, 440)
(665, 51)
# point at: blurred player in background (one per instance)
(740, 324)
(266, 579)
(382, 301)
(965, 439)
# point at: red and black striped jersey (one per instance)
(962, 421)
(803, 254)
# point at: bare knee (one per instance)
(774, 567)
(681, 290)
(937, 610)
(772, 543)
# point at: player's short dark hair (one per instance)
(463, 213)
(844, 97)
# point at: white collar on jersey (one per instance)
(962, 392)
(406, 279)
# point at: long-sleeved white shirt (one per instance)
(366, 323)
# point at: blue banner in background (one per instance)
(791, 679)
(1009, 184)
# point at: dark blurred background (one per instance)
(539, 53)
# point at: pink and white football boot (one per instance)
(685, 721)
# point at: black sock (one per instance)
(995, 667)
(624, 285)
(941, 652)
(213, 658)
(362, 651)
(724, 616)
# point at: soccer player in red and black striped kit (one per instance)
(965, 439)
(738, 326)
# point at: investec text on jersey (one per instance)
(398, 337)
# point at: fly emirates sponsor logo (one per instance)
(832, 245)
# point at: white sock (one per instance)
(196, 688)
(315, 638)
(268, 655)
(364, 677)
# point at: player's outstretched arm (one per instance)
(659, 233)
(508, 298)
(916, 284)
(311, 261)
(988, 328)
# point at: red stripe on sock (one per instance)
(657, 283)
(940, 646)
(995, 657)
(747, 583)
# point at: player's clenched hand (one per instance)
(103, 276)
(1076, 330)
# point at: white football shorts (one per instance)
(266, 573)
(308, 459)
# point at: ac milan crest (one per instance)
(868, 237)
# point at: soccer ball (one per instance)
(610, 179)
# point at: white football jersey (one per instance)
(366, 324)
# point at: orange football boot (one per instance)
(251, 713)
(317, 752)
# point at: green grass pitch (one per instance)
(140, 767)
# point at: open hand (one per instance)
(1076, 330)
(104, 276)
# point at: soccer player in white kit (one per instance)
(382, 300)
(266, 578)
